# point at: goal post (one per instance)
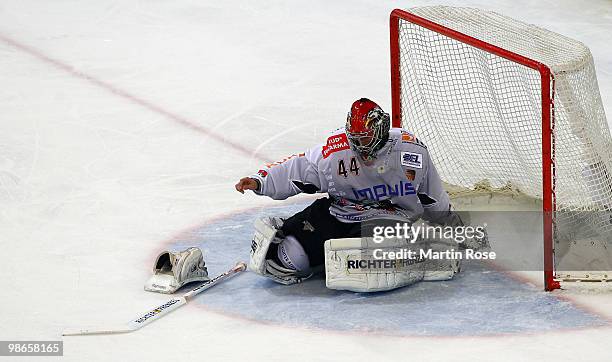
(518, 103)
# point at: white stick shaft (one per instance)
(156, 313)
(98, 330)
(160, 311)
(214, 281)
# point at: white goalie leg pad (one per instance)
(266, 229)
(295, 266)
(350, 265)
(173, 269)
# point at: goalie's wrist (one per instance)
(258, 184)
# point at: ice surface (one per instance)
(479, 301)
(123, 127)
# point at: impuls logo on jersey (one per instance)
(415, 232)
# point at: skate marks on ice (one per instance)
(478, 302)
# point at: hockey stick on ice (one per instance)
(156, 313)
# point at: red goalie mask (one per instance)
(367, 127)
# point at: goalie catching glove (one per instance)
(173, 269)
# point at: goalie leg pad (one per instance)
(293, 267)
(350, 265)
(266, 229)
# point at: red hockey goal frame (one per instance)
(548, 137)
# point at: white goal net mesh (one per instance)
(481, 115)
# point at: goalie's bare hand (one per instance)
(246, 183)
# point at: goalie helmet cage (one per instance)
(509, 103)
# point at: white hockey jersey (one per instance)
(400, 183)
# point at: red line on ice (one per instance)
(133, 98)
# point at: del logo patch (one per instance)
(414, 160)
(335, 143)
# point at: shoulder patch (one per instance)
(408, 137)
(412, 159)
(335, 143)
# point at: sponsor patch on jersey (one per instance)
(335, 143)
(414, 160)
(383, 191)
(262, 173)
(410, 174)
